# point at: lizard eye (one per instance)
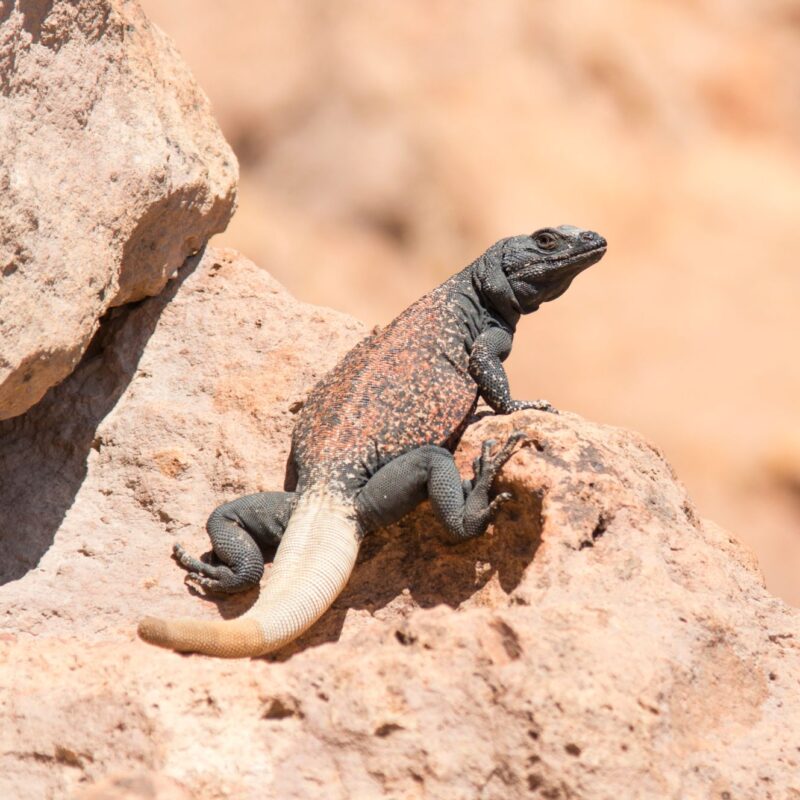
(546, 240)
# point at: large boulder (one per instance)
(112, 171)
(600, 641)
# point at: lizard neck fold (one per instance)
(494, 290)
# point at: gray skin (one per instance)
(394, 467)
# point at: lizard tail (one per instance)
(312, 565)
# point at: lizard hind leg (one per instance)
(430, 472)
(238, 531)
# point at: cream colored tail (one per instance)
(312, 565)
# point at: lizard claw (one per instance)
(196, 579)
(498, 501)
(224, 582)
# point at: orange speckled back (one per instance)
(405, 386)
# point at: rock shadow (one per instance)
(412, 558)
(43, 453)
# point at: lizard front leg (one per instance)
(489, 351)
(430, 472)
(238, 531)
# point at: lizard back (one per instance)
(400, 388)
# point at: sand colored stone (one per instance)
(601, 641)
(112, 171)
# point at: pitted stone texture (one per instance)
(112, 171)
(600, 641)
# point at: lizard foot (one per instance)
(220, 579)
(478, 509)
(486, 466)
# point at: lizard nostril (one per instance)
(593, 238)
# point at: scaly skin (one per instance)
(375, 438)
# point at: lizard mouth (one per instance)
(601, 248)
(562, 265)
(591, 256)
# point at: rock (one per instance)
(600, 641)
(135, 786)
(112, 171)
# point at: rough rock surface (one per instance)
(600, 642)
(112, 171)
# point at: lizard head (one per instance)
(541, 266)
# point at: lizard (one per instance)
(376, 437)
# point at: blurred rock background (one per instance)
(384, 144)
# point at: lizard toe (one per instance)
(192, 564)
(225, 581)
(507, 450)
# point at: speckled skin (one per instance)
(376, 435)
(404, 387)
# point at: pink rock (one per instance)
(112, 171)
